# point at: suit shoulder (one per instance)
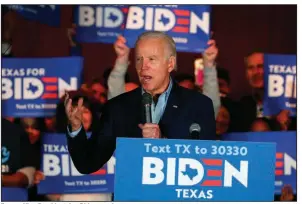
(124, 98)
(195, 96)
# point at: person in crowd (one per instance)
(33, 127)
(261, 125)
(287, 194)
(7, 28)
(116, 82)
(186, 80)
(251, 107)
(222, 122)
(50, 124)
(155, 59)
(231, 105)
(226, 118)
(75, 48)
(107, 73)
(117, 77)
(224, 82)
(17, 164)
(97, 90)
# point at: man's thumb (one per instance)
(141, 126)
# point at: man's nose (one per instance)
(145, 64)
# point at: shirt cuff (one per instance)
(74, 133)
(29, 172)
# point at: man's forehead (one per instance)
(150, 40)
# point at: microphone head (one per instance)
(194, 128)
(147, 99)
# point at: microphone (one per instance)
(195, 131)
(147, 102)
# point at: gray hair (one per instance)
(168, 40)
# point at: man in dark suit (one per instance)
(174, 109)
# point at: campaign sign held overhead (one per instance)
(61, 176)
(189, 26)
(280, 88)
(99, 23)
(194, 170)
(286, 155)
(32, 87)
(46, 14)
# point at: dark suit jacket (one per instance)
(121, 116)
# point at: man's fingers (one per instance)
(66, 97)
(211, 42)
(151, 133)
(121, 38)
(68, 105)
(80, 103)
(74, 110)
(121, 46)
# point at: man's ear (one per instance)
(172, 63)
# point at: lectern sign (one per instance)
(186, 170)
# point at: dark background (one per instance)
(238, 29)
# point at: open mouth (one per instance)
(146, 78)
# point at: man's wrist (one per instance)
(123, 60)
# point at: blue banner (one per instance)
(188, 25)
(32, 87)
(280, 84)
(194, 170)
(46, 14)
(13, 194)
(286, 156)
(99, 23)
(61, 176)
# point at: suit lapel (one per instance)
(172, 108)
(137, 106)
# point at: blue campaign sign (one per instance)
(99, 23)
(189, 26)
(61, 176)
(286, 156)
(14, 194)
(280, 84)
(32, 87)
(46, 14)
(194, 170)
